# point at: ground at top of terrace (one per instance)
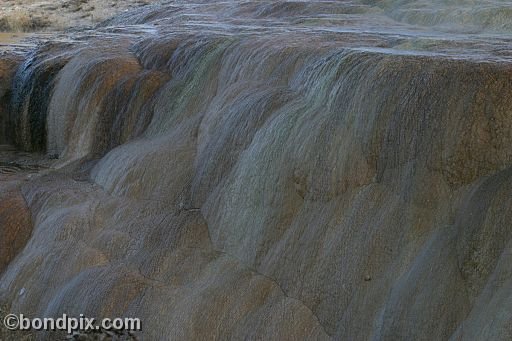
(44, 15)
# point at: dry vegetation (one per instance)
(37, 15)
(22, 21)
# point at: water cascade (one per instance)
(266, 170)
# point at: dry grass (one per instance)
(22, 21)
(42, 15)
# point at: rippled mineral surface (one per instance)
(276, 170)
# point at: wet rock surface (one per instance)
(15, 223)
(267, 170)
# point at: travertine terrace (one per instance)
(276, 170)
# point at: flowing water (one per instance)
(266, 170)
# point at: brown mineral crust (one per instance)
(15, 223)
(209, 172)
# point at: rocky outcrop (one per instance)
(269, 170)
